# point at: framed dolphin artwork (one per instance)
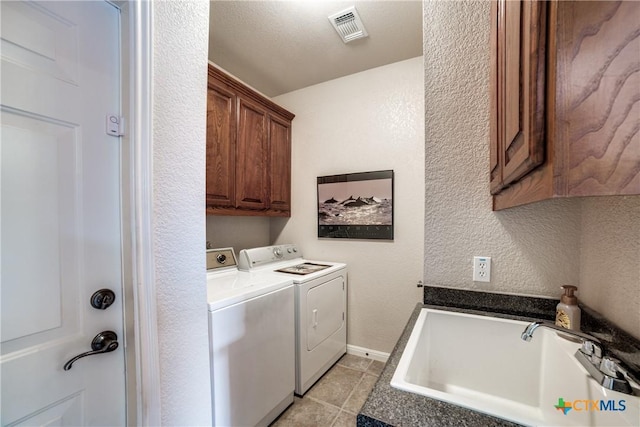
(356, 205)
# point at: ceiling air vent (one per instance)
(348, 25)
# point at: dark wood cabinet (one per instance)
(565, 89)
(221, 146)
(280, 160)
(252, 160)
(518, 49)
(248, 151)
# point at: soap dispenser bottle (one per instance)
(567, 310)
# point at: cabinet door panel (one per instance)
(252, 157)
(221, 146)
(280, 171)
(513, 92)
(599, 81)
(520, 85)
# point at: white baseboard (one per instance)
(365, 352)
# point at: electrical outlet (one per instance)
(481, 269)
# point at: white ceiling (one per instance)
(281, 46)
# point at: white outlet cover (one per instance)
(481, 269)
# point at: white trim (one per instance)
(126, 155)
(144, 291)
(368, 353)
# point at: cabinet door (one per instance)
(280, 165)
(598, 94)
(221, 146)
(252, 159)
(519, 56)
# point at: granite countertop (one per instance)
(387, 406)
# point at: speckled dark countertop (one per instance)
(387, 406)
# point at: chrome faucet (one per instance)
(608, 371)
(527, 334)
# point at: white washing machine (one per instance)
(251, 342)
(320, 306)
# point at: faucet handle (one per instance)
(593, 351)
(614, 367)
(614, 377)
(610, 366)
(589, 348)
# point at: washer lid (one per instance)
(232, 287)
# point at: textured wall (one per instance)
(238, 232)
(364, 122)
(610, 259)
(535, 248)
(179, 115)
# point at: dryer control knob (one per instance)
(277, 252)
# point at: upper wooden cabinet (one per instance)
(565, 89)
(280, 160)
(221, 145)
(248, 151)
(518, 72)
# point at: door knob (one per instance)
(102, 299)
(104, 342)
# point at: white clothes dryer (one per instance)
(251, 342)
(320, 306)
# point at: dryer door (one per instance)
(325, 311)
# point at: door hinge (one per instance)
(343, 315)
(114, 125)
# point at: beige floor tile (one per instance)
(307, 412)
(360, 394)
(346, 385)
(345, 419)
(375, 368)
(354, 362)
(336, 386)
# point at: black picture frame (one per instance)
(356, 205)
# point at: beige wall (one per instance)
(238, 232)
(610, 259)
(592, 242)
(364, 122)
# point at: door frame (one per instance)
(142, 364)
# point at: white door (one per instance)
(60, 213)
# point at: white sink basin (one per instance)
(481, 363)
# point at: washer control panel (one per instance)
(256, 257)
(220, 258)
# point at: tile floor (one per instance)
(337, 397)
